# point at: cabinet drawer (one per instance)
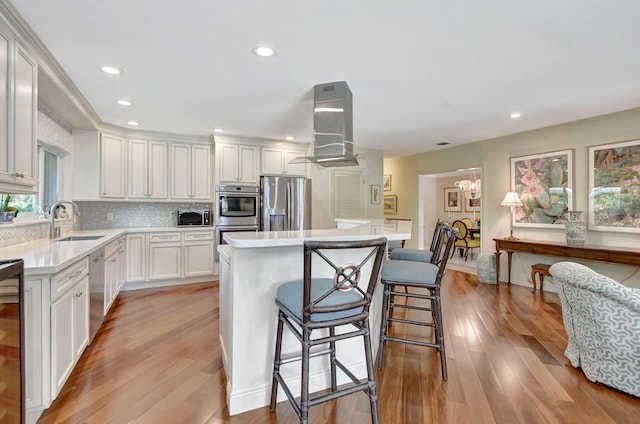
(68, 277)
(198, 236)
(111, 248)
(163, 237)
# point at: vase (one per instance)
(575, 229)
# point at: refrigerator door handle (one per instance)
(289, 206)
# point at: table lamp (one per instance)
(512, 200)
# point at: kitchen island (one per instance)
(252, 266)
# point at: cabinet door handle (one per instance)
(79, 294)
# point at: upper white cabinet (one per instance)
(276, 161)
(113, 165)
(190, 171)
(236, 163)
(18, 111)
(148, 166)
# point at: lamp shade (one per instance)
(511, 199)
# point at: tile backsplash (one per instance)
(98, 215)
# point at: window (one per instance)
(48, 178)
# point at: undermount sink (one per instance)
(80, 238)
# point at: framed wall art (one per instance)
(452, 199)
(375, 194)
(390, 205)
(386, 182)
(614, 187)
(471, 205)
(544, 183)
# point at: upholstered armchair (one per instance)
(602, 320)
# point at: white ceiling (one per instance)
(421, 72)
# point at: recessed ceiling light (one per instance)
(289, 137)
(515, 115)
(218, 130)
(111, 70)
(263, 51)
(124, 102)
(133, 123)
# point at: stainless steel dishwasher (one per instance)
(96, 292)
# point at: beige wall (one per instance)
(493, 156)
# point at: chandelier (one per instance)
(471, 188)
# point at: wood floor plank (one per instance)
(157, 359)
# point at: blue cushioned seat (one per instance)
(406, 254)
(394, 244)
(290, 296)
(410, 272)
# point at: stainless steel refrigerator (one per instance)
(285, 203)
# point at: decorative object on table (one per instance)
(386, 182)
(614, 187)
(601, 318)
(576, 229)
(452, 199)
(512, 200)
(390, 204)
(375, 194)
(544, 183)
(471, 188)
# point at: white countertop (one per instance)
(47, 256)
(352, 229)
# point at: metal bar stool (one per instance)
(420, 255)
(420, 275)
(321, 303)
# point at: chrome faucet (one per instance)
(55, 231)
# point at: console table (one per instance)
(625, 256)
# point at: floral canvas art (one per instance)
(544, 183)
(614, 187)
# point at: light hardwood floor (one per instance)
(157, 359)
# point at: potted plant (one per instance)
(8, 212)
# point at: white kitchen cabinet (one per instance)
(276, 161)
(165, 254)
(36, 321)
(18, 112)
(148, 166)
(113, 166)
(136, 250)
(112, 272)
(236, 163)
(69, 321)
(190, 171)
(199, 253)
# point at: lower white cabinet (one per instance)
(199, 253)
(35, 305)
(69, 332)
(136, 257)
(113, 271)
(170, 255)
(165, 254)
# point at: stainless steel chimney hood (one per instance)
(332, 126)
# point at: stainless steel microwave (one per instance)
(195, 218)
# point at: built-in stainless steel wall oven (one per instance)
(237, 209)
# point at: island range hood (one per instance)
(332, 126)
